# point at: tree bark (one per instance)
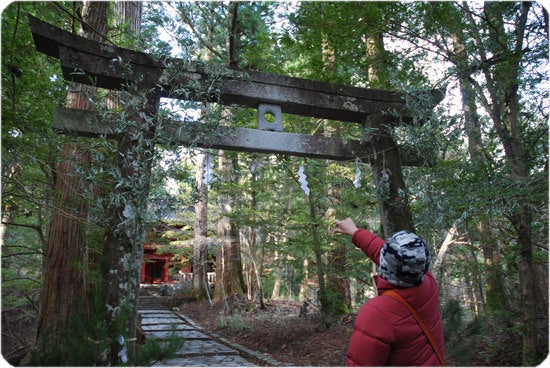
(285, 236)
(200, 244)
(275, 293)
(257, 262)
(255, 289)
(229, 276)
(338, 283)
(65, 290)
(229, 269)
(495, 292)
(391, 190)
(502, 84)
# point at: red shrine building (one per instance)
(160, 266)
(155, 267)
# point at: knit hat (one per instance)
(404, 259)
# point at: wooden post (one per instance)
(123, 250)
(390, 186)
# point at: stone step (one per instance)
(200, 348)
(154, 302)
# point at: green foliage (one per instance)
(291, 227)
(154, 351)
(491, 339)
(234, 322)
(77, 347)
(243, 320)
(452, 316)
(28, 153)
(89, 339)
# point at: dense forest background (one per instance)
(480, 199)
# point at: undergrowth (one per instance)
(490, 339)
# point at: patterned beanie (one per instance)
(404, 259)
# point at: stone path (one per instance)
(199, 349)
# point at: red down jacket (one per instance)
(385, 332)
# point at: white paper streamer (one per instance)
(123, 353)
(208, 177)
(357, 181)
(302, 179)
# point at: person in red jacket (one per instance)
(385, 332)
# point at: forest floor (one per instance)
(18, 334)
(278, 331)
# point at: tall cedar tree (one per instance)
(65, 263)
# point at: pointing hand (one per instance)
(346, 226)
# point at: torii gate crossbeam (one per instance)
(110, 67)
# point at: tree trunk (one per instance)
(392, 192)
(200, 245)
(304, 293)
(255, 272)
(257, 264)
(326, 312)
(7, 202)
(229, 275)
(64, 279)
(128, 14)
(285, 237)
(495, 296)
(338, 282)
(275, 293)
(64, 290)
(503, 106)
(338, 285)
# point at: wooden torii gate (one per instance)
(106, 66)
(110, 67)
